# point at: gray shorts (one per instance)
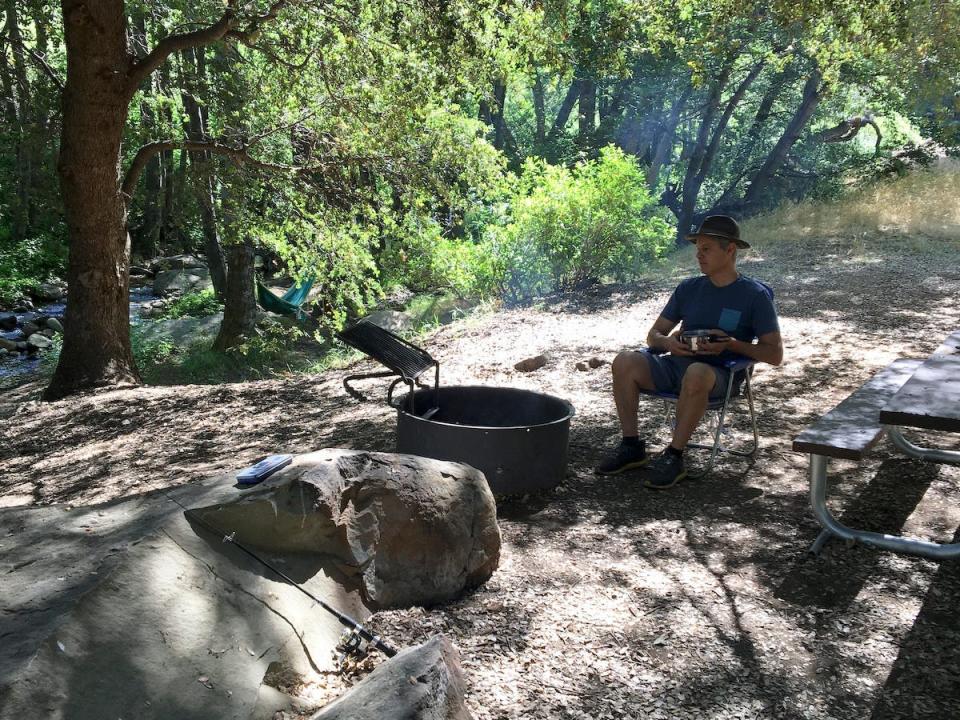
(667, 373)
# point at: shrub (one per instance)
(195, 304)
(570, 226)
(429, 261)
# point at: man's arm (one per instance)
(659, 338)
(768, 348)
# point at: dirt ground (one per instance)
(611, 600)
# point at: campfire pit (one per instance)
(517, 438)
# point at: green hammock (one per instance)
(287, 304)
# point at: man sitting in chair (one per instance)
(735, 309)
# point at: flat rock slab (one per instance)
(128, 610)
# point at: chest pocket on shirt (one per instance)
(729, 319)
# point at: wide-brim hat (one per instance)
(722, 227)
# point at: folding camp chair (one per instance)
(404, 359)
(738, 385)
(741, 372)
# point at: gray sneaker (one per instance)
(665, 471)
(624, 457)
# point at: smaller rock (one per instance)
(582, 366)
(55, 324)
(531, 364)
(8, 321)
(23, 305)
(8, 344)
(29, 328)
(141, 272)
(424, 681)
(48, 332)
(22, 346)
(38, 342)
(596, 362)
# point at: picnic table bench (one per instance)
(913, 393)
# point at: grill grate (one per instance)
(403, 358)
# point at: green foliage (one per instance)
(194, 304)
(568, 227)
(26, 264)
(149, 351)
(274, 351)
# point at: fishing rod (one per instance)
(375, 640)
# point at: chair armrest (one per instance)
(738, 363)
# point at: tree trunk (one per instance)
(813, 92)
(588, 109)
(21, 103)
(691, 187)
(240, 306)
(145, 239)
(661, 153)
(96, 342)
(168, 236)
(566, 107)
(750, 140)
(205, 182)
(539, 111)
(702, 159)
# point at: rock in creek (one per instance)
(10, 345)
(176, 262)
(38, 342)
(182, 281)
(8, 321)
(420, 682)
(55, 324)
(49, 292)
(417, 531)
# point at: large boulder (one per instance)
(175, 262)
(130, 610)
(186, 280)
(8, 321)
(182, 331)
(417, 531)
(49, 292)
(424, 682)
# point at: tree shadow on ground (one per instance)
(924, 681)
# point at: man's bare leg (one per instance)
(631, 374)
(698, 381)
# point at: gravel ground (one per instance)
(613, 601)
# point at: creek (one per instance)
(26, 363)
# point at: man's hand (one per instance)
(675, 346)
(720, 343)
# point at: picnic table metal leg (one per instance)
(921, 453)
(821, 540)
(832, 526)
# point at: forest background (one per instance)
(494, 149)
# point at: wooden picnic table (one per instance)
(930, 399)
(906, 394)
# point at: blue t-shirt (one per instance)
(744, 309)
